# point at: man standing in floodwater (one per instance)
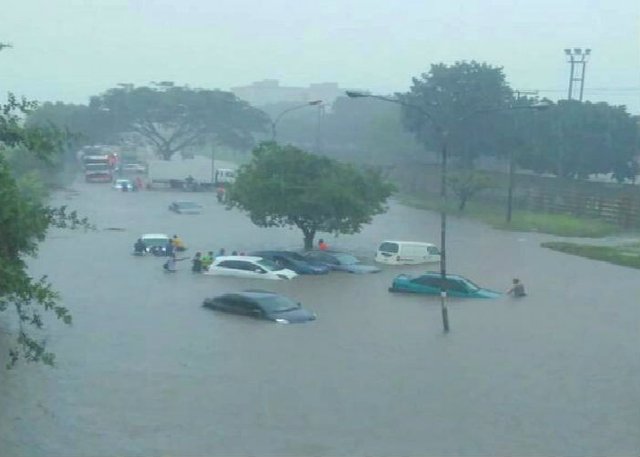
(517, 289)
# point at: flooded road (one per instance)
(145, 370)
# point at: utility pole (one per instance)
(319, 126)
(576, 57)
(512, 153)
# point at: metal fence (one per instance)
(615, 203)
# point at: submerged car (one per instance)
(294, 261)
(340, 261)
(156, 243)
(248, 267)
(430, 284)
(123, 184)
(185, 207)
(261, 305)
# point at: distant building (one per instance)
(270, 91)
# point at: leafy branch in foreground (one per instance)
(24, 220)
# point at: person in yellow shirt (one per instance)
(178, 244)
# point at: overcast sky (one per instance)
(70, 49)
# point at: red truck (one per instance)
(99, 168)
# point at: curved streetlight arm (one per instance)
(428, 115)
(274, 122)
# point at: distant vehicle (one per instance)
(134, 168)
(98, 168)
(340, 261)
(156, 243)
(185, 207)
(193, 174)
(293, 261)
(261, 305)
(120, 184)
(248, 267)
(430, 283)
(225, 176)
(407, 253)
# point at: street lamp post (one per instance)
(443, 196)
(274, 122)
(512, 158)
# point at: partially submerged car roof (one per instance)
(154, 236)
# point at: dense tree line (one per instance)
(468, 103)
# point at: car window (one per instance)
(346, 259)
(471, 286)
(295, 256)
(269, 264)
(389, 247)
(230, 264)
(155, 241)
(433, 250)
(277, 304)
(430, 281)
(455, 285)
(187, 205)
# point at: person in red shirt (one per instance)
(322, 245)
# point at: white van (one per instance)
(225, 175)
(407, 253)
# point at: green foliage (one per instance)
(575, 139)
(173, 118)
(84, 125)
(618, 255)
(285, 186)
(523, 221)
(24, 221)
(457, 105)
(466, 184)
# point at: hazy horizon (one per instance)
(68, 51)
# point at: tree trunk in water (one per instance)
(164, 153)
(309, 235)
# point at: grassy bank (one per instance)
(627, 255)
(522, 221)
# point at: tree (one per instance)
(455, 106)
(24, 221)
(575, 139)
(85, 125)
(466, 184)
(286, 186)
(173, 118)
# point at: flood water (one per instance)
(145, 370)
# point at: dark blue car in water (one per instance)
(261, 304)
(294, 261)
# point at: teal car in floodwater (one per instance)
(430, 284)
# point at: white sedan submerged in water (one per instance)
(248, 267)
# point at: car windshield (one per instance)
(471, 286)
(389, 247)
(155, 241)
(187, 205)
(295, 256)
(346, 259)
(269, 265)
(276, 304)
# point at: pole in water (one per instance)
(445, 311)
